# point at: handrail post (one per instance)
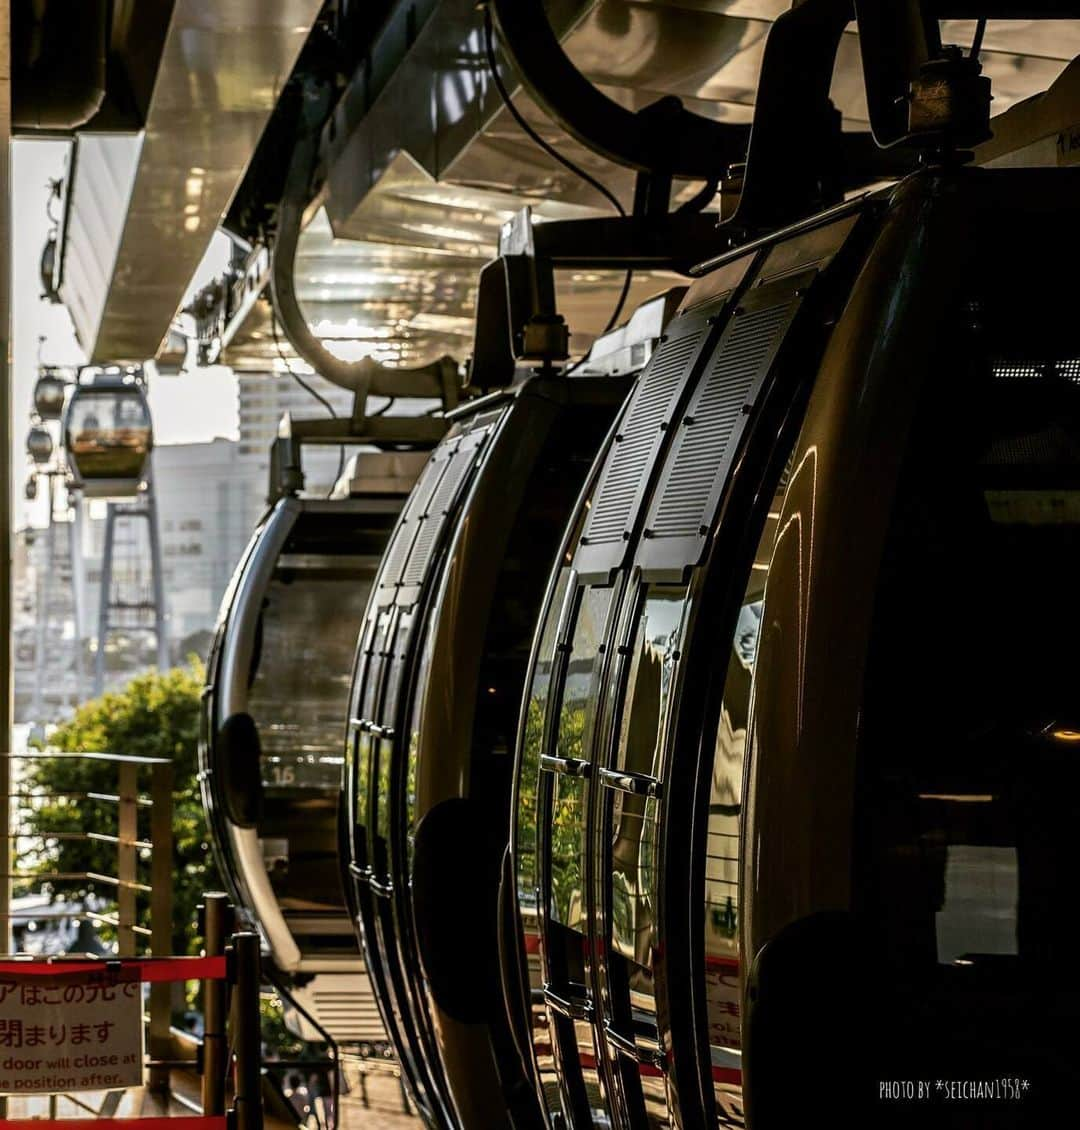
(127, 833)
(247, 1036)
(161, 916)
(216, 927)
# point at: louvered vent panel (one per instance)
(398, 551)
(351, 1016)
(350, 1019)
(421, 550)
(704, 443)
(442, 503)
(629, 458)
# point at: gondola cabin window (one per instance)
(969, 758)
(723, 968)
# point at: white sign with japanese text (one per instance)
(63, 1032)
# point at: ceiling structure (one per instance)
(142, 208)
(424, 166)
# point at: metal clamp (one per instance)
(637, 784)
(567, 766)
(573, 1008)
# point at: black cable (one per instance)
(976, 43)
(390, 400)
(550, 150)
(311, 390)
(703, 199)
(616, 314)
(613, 321)
(577, 170)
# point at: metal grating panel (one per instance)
(631, 456)
(397, 552)
(621, 478)
(704, 441)
(351, 1017)
(704, 447)
(443, 502)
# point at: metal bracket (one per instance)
(516, 316)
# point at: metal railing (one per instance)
(141, 876)
(230, 981)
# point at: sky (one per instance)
(187, 409)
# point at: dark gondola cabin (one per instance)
(434, 709)
(50, 389)
(274, 716)
(797, 773)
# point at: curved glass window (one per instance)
(298, 699)
(634, 817)
(526, 815)
(722, 863)
(562, 828)
(365, 742)
(633, 787)
(971, 730)
(532, 747)
(573, 743)
(109, 433)
(412, 739)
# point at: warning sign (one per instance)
(69, 1032)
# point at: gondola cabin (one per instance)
(50, 389)
(39, 444)
(797, 777)
(273, 719)
(108, 435)
(434, 709)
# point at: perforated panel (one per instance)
(632, 455)
(442, 505)
(397, 552)
(682, 510)
(707, 439)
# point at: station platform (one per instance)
(372, 1104)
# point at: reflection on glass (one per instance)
(722, 993)
(385, 746)
(369, 700)
(531, 749)
(567, 820)
(298, 698)
(640, 748)
(577, 718)
(412, 736)
(634, 837)
(970, 768)
(525, 847)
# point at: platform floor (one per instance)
(374, 1101)
(380, 1107)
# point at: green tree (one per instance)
(155, 715)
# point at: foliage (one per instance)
(156, 715)
(278, 1041)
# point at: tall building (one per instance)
(264, 398)
(209, 499)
